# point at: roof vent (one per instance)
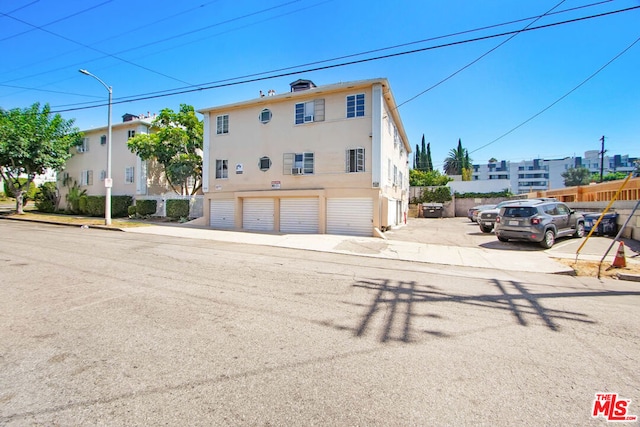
(300, 85)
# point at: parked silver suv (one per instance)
(538, 221)
(487, 218)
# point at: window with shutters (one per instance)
(129, 175)
(131, 134)
(355, 160)
(298, 163)
(86, 177)
(84, 146)
(310, 111)
(222, 124)
(222, 169)
(355, 105)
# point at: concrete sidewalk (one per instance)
(537, 262)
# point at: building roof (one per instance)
(313, 92)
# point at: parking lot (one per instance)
(462, 232)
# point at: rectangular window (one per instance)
(395, 175)
(129, 175)
(389, 170)
(310, 111)
(222, 169)
(103, 175)
(86, 177)
(355, 105)
(355, 160)
(84, 147)
(298, 163)
(103, 140)
(222, 124)
(131, 134)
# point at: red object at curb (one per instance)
(620, 260)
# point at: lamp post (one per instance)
(108, 183)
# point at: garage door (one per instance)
(257, 214)
(299, 215)
(350, 216)
(392, 212)
(222, 214)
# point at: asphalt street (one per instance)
(102, 328)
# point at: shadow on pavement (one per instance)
(396, 307)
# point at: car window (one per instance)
(551, 210)
(519, 212)
(562, 210)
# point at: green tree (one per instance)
(457, 161)
(429, 161)
(419, 178)
(416, 158)
(423, 156)
(177, 146)
(576, 176)
(33, 140)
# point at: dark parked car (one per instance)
(538, 221)
(473, 212)
(487, 218)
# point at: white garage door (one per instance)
(222, 214)
(392, 212)
(350, 216)
(299, 215)
(257, 214)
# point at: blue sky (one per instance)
(144, 48)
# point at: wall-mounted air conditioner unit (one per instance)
(308, 119)
(297, 171)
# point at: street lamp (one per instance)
(108, 183)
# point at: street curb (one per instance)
(629, 277)
(43, 221)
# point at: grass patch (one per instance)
(590, 268)
(75, 219)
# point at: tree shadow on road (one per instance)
(397, 306)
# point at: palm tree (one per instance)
(457, 160)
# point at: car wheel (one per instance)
(486, 228)
(579, 230)
(549, 239)
(503, 239)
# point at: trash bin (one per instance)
(607, 227)
(432, 210)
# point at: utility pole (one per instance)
(602, 151)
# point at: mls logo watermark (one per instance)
(612, 408)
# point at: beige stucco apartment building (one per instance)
(327, 159)
(129, 173)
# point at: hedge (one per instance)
(177, 208)
(95, 205)
(146, 207)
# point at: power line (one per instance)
(502, 43)
(215, 85)
(41, 28)
(52, 22)
(559, 99)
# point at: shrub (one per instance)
(120, 206)
(495, 194)
(131, 210)
(177, 208)
(146, 207)
(47, 198)
(82, 204)
(94, 205)
(435, 195)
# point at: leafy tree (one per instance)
(576, 176)
(611, 176)
(33, 140)
(493, 160)
(457, 161)
(177, 146)
(419, 178)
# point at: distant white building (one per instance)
(546, 174)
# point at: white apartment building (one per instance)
(546, 174)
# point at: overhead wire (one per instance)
(493, 49)
(560, 98)
(214, 85)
